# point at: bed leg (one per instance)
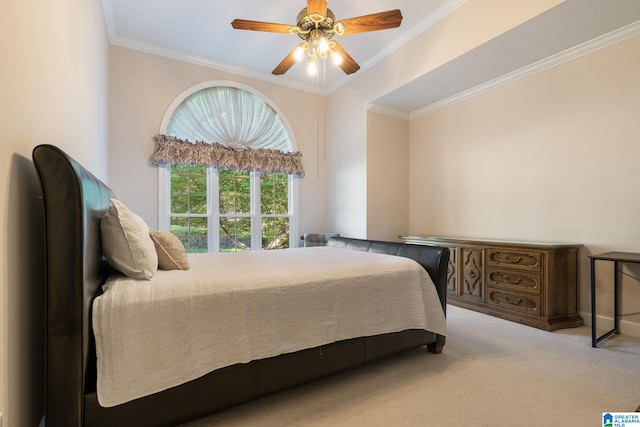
(437, 346)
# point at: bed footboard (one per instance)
(434, 259)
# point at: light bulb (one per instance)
(336, 57)
(323, 46)
(313, 68)
(298, 54)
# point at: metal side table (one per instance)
(616, 258)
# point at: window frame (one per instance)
(213, 215)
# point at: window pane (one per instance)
(188, 189)
(192, 232)
(235, 192)
(274, 195)
(275, 233)
(235, 234)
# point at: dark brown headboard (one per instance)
(74, 202)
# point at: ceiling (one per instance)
(569, 30)
(199, 31)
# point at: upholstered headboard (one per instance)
(74, 202)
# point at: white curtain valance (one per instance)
(229, 116)
(172, 150)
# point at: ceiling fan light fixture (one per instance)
(316, 26)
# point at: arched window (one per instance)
(231, 116)
(229, 167)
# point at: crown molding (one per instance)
(431, 20)
(206, 62)
(391, 112)
(608, 39)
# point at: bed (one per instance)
(75, 202)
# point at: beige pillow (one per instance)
(126, 243)
(171, 252)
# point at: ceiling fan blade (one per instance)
(243, 24)
(348, 64)
(373, 22)
(286, 63)
(317, 6)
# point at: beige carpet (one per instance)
(492, 372)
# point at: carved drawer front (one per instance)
(472, 263)
(452, 271)
(521, 302)
(514, 258)
(513, 280)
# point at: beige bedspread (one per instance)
(236, 307)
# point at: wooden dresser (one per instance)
(526, 282)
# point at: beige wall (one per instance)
(142, 86)
(346, 131)
(53, 89)
(553, 157)
(387, 177)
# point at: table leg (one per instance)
(594, 342)
(616, 302)
(616, 299)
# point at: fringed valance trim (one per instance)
(172, 150)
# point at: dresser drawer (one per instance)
(513, 301)
(514, 280)
(514, 258)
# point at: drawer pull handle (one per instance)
(471, 274)
(509, 279)
(512, 261)
(522, 303)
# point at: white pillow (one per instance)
(126, 243)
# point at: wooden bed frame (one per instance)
(74, 202)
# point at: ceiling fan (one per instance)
(316, 26)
